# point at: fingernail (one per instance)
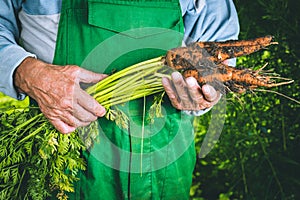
(164, 80)
(101, 112)
(206, 89)
(67, 129)
(191, 82)
(176, 75)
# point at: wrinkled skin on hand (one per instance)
(57, 91)
(186, 94)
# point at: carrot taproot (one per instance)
(220, 51)
(187, 58)
(216, 52)
(235, 80)
(205, 62)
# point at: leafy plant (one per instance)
(256, 156)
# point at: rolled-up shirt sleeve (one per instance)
(11, 53)
(213, 20)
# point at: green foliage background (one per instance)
(257, 155)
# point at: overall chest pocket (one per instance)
(119, 16)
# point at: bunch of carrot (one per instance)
(206, 62)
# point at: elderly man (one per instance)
(42, 45)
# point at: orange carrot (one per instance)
(204, 61)
(220, 51)
(202, 53)
(235, 80)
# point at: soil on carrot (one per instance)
(205, 62)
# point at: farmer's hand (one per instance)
(57, 91)
(186, 94)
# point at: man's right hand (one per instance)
(57, 91)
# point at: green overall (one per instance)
(148, 160)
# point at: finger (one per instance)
(62, 126)
(72, 121)
(90, 104)
(83, 115)
(210, 94)
(181, 89)
(87, 76)
(55, 116)
(171, 92)
(195, 92)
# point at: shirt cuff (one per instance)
(196, 113)
(10, 58)
(199, 112)
(230, 62)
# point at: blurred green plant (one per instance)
(6, 102)
(257, 155)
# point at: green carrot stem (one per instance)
(125, 99)
(132, 77)
(119, 84)
(119, 93)
(28, 121)
(131, 69)
(127, 84)
(135, 85)
(20, 183)
(36, 131)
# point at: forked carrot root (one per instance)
(236, 80)
(205, 52)
(205, 62)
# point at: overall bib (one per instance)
(148, 160)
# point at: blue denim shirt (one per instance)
(213, 20)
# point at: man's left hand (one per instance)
(186, 94)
